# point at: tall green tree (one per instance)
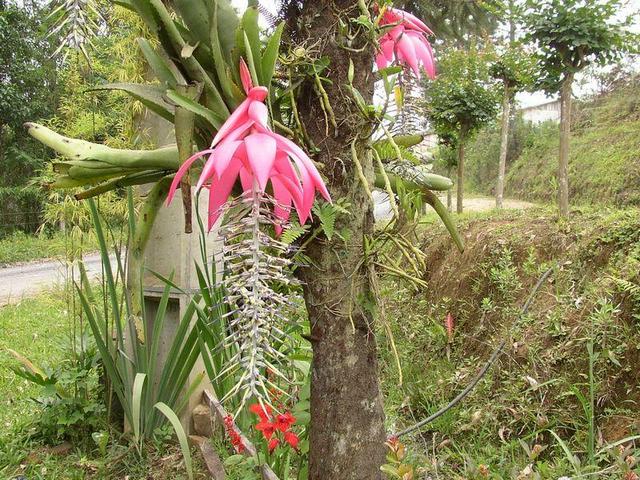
(514, 69)
(460, 101)
(571, 35)
(27, 89)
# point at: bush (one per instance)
(21, 209)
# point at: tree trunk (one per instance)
(347, 420)
(460, 186)
(565, 136)
(450, 191)
(504, 145)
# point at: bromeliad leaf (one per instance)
(151, 96)
(163, 68)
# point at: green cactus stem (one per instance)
(101, 156)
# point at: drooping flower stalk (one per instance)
(254, 262)
(406, 42)
(276, 175)
(245, 147)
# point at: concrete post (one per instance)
(172, 251)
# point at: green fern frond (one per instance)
(293, 233)
(628, 287)
(327, 214)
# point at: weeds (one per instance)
(567, 370)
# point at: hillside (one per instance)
(605, 154)
(591, 299)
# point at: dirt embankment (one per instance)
(591, 297)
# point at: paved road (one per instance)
(20, 281)
(382, 208)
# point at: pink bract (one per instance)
(406, 42)
(246, 148)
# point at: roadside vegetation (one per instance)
(604, 162)
(20, 247)
(566, 384)
(578, 340)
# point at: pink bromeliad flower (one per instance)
(406, 42)
(247, 148)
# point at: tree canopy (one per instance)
(462, 98)
(572, 34)
(27, 89)
(515, 68)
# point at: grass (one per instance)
(20, 247)
(548, 380)
(39, 329)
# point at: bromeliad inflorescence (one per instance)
(406, 41)
(245, 148)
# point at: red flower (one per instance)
(267, 428)
(263, 411)
(292, 439)
(234, 435)
(284, 421)
(273, 443)
(449, 322)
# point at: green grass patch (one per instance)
(21, 247)
(39, 329)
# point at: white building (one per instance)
(542, 112)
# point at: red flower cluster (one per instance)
(270, 425)
(234, 435)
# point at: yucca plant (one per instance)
(129, 350)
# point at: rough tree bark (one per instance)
(347, 420)
(565, 136)
(460, 187)
(504, 144)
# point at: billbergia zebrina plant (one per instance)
(253, 156)
(246, 149)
